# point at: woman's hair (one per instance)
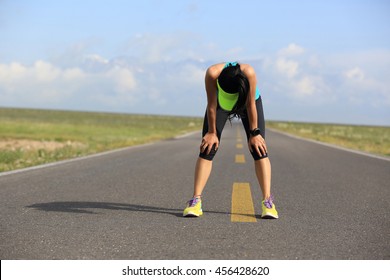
(233, 80)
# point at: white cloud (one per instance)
(292, 50)
(300, 82)
(46, 85)
(181, 46)
(73, 74)
(170, 80)
(189, 75)
(96, 83)
(11, 72)
(287, 67)
(355, 74)
(297, 78)
(361, 88)
(96, 58)
(45, 72)
(305, 87)
(123, 78)
(153, 48)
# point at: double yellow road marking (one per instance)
(242, 202)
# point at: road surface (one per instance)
(128, 204)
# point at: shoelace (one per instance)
(193, 202)
(269, 202)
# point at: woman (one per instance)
(232, 91)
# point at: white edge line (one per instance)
(186, 135)
(331, 145)
(89, 156)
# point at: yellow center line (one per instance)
(240, 158)
(242, 204)
(239, 146)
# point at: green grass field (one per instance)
(32, 137)
(371, 139)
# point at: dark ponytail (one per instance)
(232, 79)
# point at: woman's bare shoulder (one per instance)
(214, 70)
(248, 70)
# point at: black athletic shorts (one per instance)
(222, 117)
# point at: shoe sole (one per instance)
(191, 214)
(270, 217)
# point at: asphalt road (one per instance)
(128, 204)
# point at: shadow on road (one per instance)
(87, 207)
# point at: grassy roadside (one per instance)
(371, 139)
(32, 137)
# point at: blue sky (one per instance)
(321, 61)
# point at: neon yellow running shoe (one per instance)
(194, 208)
(269, 209)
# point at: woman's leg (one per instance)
(204, 163)
(262, 164)
(263, 174)
(202, 173)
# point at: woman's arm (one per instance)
(211, 91)
(251, 101)
(211, 138)
(255, 142)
